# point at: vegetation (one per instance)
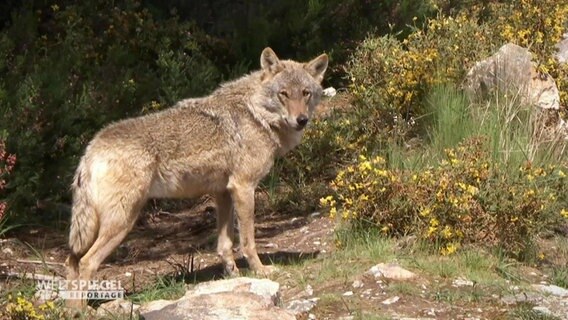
(410, 154)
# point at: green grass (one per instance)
(559, 277)
(163, 288)
(525, 312)
(515, 131)
(404, 288)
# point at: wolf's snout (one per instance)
(302, 121)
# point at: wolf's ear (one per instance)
(268, 59)
(317, 67)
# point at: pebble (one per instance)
(391, 300)
(543, 310)
(357, 284)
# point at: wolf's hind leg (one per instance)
(225, 232)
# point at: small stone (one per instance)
(8, 251)
(128, 274)
(271, 245)
(522, 297)
(315, 214)
(329, 92)
(390, 271)
(391, 300)
(430, 312)
(462, 282)
(312, 316)
(543, 310)
(347, 293)
(357, 284)
(552, 289)
(309, 290)
(317, 243)
(298, 307)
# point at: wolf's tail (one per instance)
(84, 219)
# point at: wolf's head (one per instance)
(293, 88)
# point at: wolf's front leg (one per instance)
(243, 200)
(225, 232)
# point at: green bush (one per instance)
(66, 71)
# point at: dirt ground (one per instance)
(170, 243)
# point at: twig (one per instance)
(32, 276)
(41, 262)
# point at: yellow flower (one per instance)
(561, 174)
(434, 222)
(425, 212)
(564, 213)
(449, 249)
(431, 230)
(447, 232)
(332, 213)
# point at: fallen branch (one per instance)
(41, 262)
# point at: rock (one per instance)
(298, 307)
(357, 284)
(390, 271)
(347, 293)
(391, 300)
(329, 92)
(462, 282)
(218, 306)
(562, 49)
(237, 298)
(552, 289)
(512, 71)
(8, 251)
(118, 307)
(309, 290)
(526, 297)
(543, 310)
(311, 316)
(261, 287)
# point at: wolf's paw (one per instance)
(231, 270)
(265, 271)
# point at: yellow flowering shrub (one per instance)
(463, 199)
(389, 77)
(539, 26)
(20, 308)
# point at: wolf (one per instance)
(222, 144)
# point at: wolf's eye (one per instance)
(283, 93)
(306, 93)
